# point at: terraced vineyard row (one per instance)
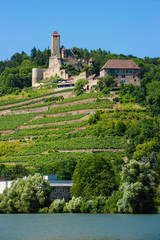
(50, 158)
(39, 140)
(45, 120)
(110, 142)
(14, 120)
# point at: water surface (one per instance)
(79, 227)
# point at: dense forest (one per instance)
(133, 126)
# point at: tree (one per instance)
(138, 188)
(26, 195)
(88, 68)
(106, 82)
(79, 86)
(33, 53)
(93, 176)
(13, 172)
(153, 97)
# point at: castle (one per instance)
(124, 71)
(57, 59)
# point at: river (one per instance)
(79, 227)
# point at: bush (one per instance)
(43, 210)
(116, 99)
(95, 205)
(105, 90)
(74, 205)
(111, 203)
(57, 206)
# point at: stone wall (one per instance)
(60, 192)
(82, 75)
(37, 75)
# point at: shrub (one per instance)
(43, 210)
(95, 205)
(116, 99)
(111, 203)
(57, 206)
(74, 205)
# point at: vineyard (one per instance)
(53, 141)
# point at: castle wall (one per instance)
(54, 68)
(37, 75)
(82, 75)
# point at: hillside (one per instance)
(91, 136)
(48, 132)
(50, 137)
(107, 143)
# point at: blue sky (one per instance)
(121, 26)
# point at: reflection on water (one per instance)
(79, 227)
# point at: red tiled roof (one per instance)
(2, 179)
(63, 49)
(65, 83)
(70, 79)
(91, 60)
(55, 33)
(120, 64)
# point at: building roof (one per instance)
(63, 49)
(120, 64)
(55, 33)
(65, 83)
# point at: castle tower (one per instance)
(91, 62)
(55, 44)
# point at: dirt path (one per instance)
(14, 163)
(50, 124)
(93, 150)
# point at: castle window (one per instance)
(116, 76)
(135, 80)
(115, 71)
(123, 81)
(129, 71)
(123, 76)
(133, 76)
(122, 71)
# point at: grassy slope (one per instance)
(44, 139)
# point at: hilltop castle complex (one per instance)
(124, 71)
(56, 60)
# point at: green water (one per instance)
(79, 227)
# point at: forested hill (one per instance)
(15, 74)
